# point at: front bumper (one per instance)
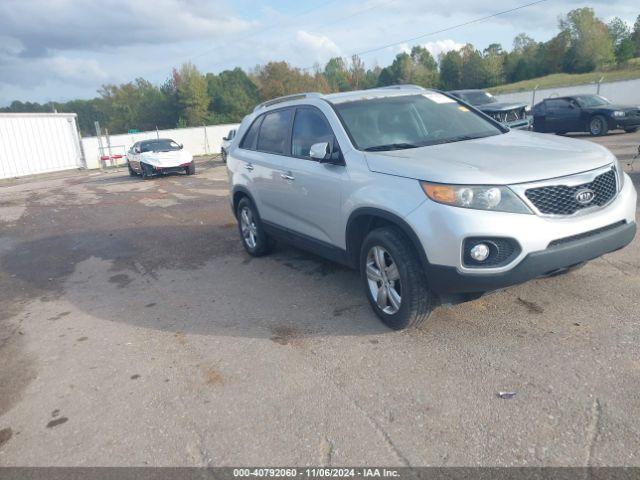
(167, 167)
(535, 235)
(547, 262)
(627, 122)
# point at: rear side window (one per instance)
(249, 140)
(309, 127)
(274, 132)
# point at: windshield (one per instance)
(159, 146)
(477, 98)
(411, 121)
(591, 100)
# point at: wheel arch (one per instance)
(365, 219)
(239, 192)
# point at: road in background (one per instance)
(134, 330)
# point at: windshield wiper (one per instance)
(461, 138)
(390, 146)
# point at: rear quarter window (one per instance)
(249, 140)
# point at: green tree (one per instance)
(336, 73)
(521, 62)
(451, 70)
(192, 95)
(494, 57)
(635, 36)
(276, 79)
(233, 95)
(357, 73)
(623, 45)
(591, 45)
(424, 69)
(474, 72)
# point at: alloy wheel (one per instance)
(383, 279)
(248, 227)
(596, 126)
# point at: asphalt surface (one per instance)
(134, 330)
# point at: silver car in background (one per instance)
(431, 200)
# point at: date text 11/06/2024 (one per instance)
(316, 472)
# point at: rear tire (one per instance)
(254, 239)
(223, 155)
(191, 168)
(598, 126)
(132, 172)
(394, 280)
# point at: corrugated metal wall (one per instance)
(37, 143)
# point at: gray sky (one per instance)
(65, 49)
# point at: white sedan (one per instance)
(158, 157)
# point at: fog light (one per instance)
(480, 252)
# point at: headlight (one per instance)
(479, 197)
(618, 113)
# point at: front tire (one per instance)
(145, 171)
(254, 239)
(394, 280)
(598, 126)
(191, 168)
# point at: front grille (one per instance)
(560, 199)
(588, 234)
(509, 116)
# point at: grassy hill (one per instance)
(630, 72)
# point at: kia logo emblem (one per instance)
(585, 196)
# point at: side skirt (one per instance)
(304, 242)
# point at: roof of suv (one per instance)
(335, 98)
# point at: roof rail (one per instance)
(406, 86)
(286, 98)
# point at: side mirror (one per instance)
(226, 139)
(319, 151)
(181, 146)
(136, 150)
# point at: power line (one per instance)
(435, 32)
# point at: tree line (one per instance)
(188, 97)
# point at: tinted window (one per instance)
(249, 140)
(274, 132)
(592, 100)
(309, 127)
(410, 121)
(556, 104)
(161, 145)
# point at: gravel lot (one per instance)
(134, 330)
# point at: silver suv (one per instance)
(429, 198)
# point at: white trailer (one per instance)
(38, 142)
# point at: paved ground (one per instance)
(135, 331)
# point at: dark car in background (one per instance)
(513, 115)
(584, 113)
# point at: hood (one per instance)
(513, 157)
(166, 158)
(501, 106)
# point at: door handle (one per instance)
(249, 167)
(286, 176)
